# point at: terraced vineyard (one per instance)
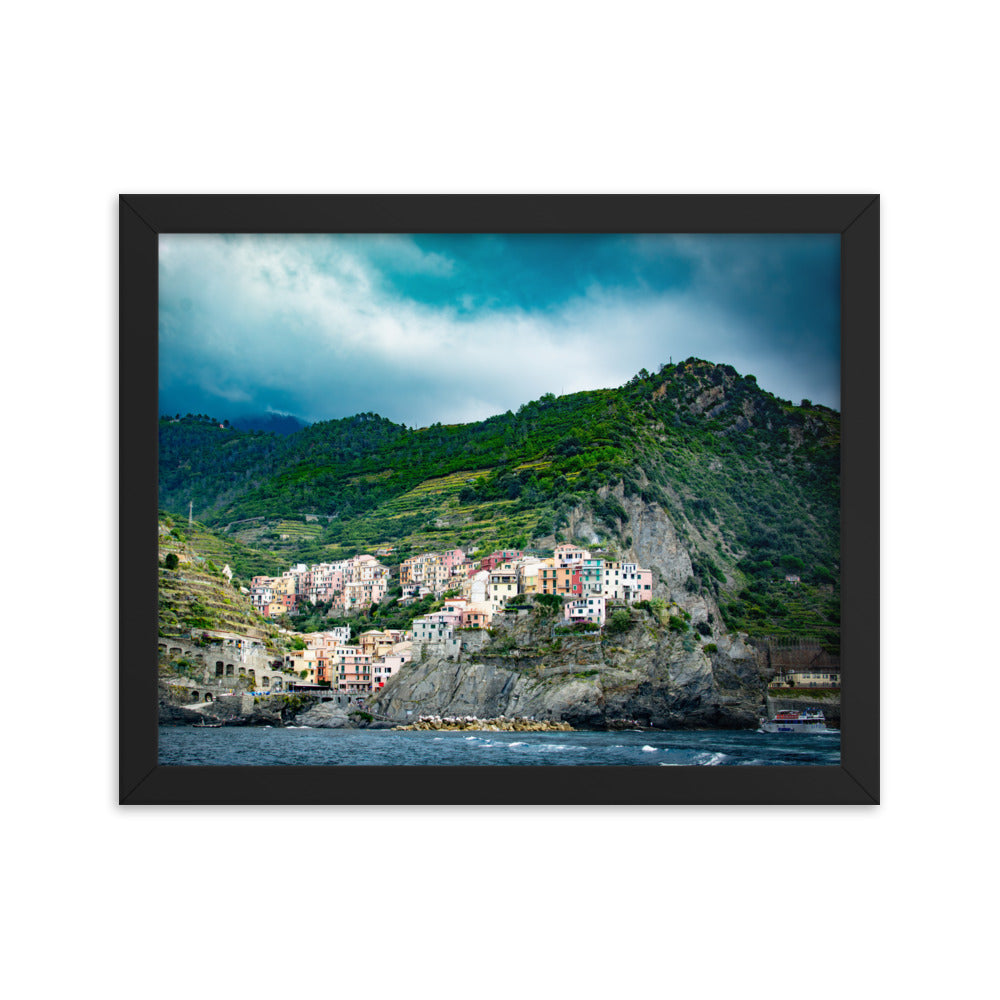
(197, 595)
(434, 515)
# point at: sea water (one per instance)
(301, 745)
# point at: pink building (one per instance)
(453, 559)
(351, 669)
(387, 667)
(476, 616)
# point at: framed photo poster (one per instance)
(499, 499)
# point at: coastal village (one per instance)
(477, 590)
(470, 594)
(473, 593)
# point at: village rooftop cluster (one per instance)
(478, 591)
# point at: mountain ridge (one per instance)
(747, 482)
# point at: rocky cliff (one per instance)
(653, 542)
(655, 672)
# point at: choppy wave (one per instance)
(311, 745)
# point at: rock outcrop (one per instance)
(652, 674)
(325, 715)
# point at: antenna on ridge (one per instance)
(190, 512)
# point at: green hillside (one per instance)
(750, 481)
(193, 592)
(218, 549)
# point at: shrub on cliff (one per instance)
(551, 603)
(619, 622)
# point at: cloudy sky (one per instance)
(456, 328)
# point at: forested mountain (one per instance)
(749, 483)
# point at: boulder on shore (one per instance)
(325, 715)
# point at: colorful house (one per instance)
(568, 555)
(586, 609)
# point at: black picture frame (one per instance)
(143, 217)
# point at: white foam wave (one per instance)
(648, 749)
(517, 744)
(711, 759)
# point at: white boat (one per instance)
(794, 722)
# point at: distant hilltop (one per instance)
(273, 423)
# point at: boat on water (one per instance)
(794, 722)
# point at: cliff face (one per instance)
(648, 674)
(655, 545)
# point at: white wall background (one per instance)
(520, 97)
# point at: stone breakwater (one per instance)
(501, 724)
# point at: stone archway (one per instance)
(194, 695)
(208, 696)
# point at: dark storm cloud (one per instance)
(454, 328)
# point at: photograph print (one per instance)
(499, 500)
